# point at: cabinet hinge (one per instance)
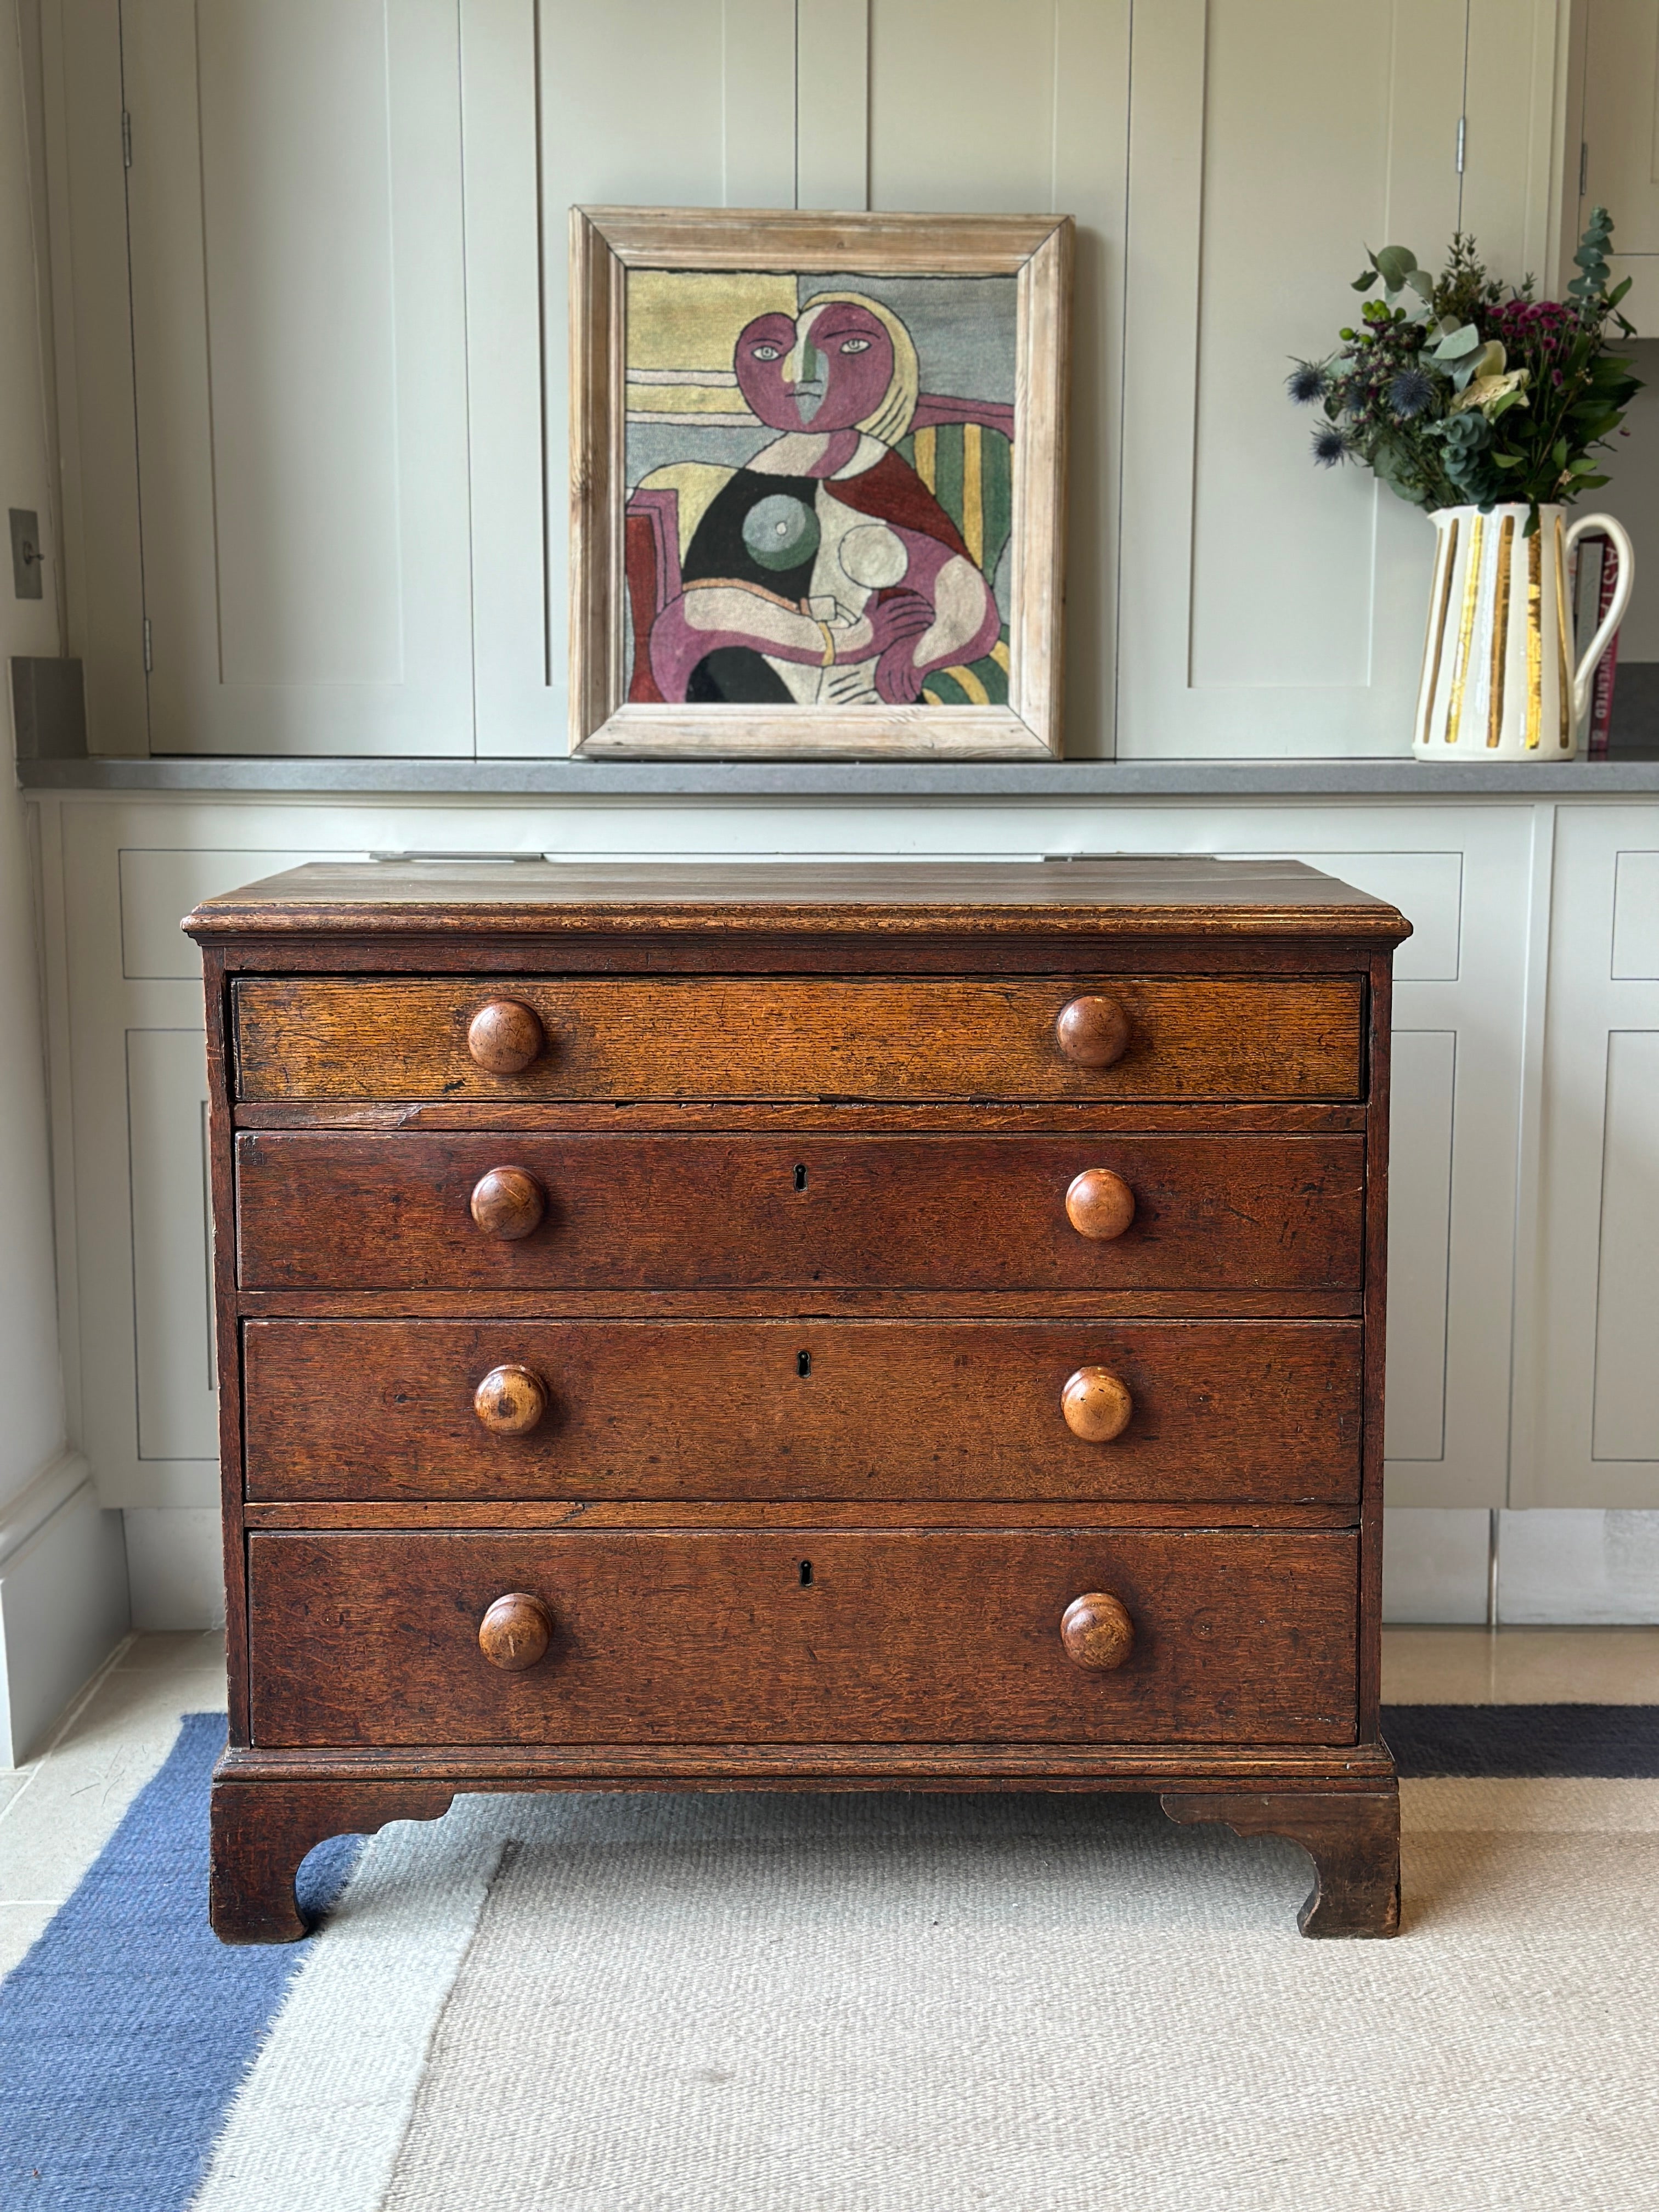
(148, 662)
(1462, 133)
(1584, 167)
(126, 140)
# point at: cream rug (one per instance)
(915, 2005)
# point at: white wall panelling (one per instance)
(1462, 875)
(1436, 1565)
(1586, 1389)
(1619, 123)
(352, 421)
(80, 50)
(130, 1091)
(1268, 607)
(63, 1602)
(832, 124)
(298, 308)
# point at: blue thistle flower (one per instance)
(1411, 393)
(1329, 445)
(1306, 382)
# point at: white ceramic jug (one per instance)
(1499, 680)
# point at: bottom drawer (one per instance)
(804, 1635)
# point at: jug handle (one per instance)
(1614, 615)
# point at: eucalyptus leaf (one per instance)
(1364, 281)
(1465, 339)
(1395, 265)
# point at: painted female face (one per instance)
(825, 369)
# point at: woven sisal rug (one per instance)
(874, 2004)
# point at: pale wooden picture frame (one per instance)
(606, 243)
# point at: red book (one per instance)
(1601, 715)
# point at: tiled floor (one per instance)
(57, 1813)
(1521, 1667)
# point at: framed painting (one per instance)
(818, 483)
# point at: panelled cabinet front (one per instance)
(926, 1333)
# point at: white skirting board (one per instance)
(175, 1568)
(1554, 1568)
(1542, 1569)
(63, 1600)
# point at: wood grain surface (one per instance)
(709, 1037)
(1249, 903)
(792, 1340)
(802, 1513)
(754, 1637)
(856, 1410)
(966, 1117)
(1352, 1838)
(355, 1212)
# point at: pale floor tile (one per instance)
(20, 1926)
(70, 1801)
(167, 1652)
(1520, 1666)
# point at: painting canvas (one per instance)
(819, 473)
(832, 487)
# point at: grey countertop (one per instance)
(307, 776)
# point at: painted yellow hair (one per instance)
(892, 418)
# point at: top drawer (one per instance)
(905, 1037)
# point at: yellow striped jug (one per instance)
(1499, 676)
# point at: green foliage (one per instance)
(1455, 391)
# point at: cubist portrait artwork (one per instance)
(819, 489)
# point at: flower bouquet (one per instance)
(1486, 406)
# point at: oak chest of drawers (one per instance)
(800, 1327)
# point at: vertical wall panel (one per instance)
(1636, 918)
(1268, 608)
(1625, 1411)
(962, 105)
(92, 330)
(1425, 1076)
(171, 1255)
(1090, 181)
(1587, 1401)
(1516, 108)
(758, 64)
(298, 315)
(832, 106)
(1051, 136)
(511, 522)
(1461, 876)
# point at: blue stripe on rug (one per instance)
(1613, 1743)
(126, 2031)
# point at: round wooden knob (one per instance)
(504, 1037)
(515, 1632)
(1096, 1630)
(511, 1399)
(1099, 1204)
(1097, 1406)
(508, 1203)
(1093, 1032)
